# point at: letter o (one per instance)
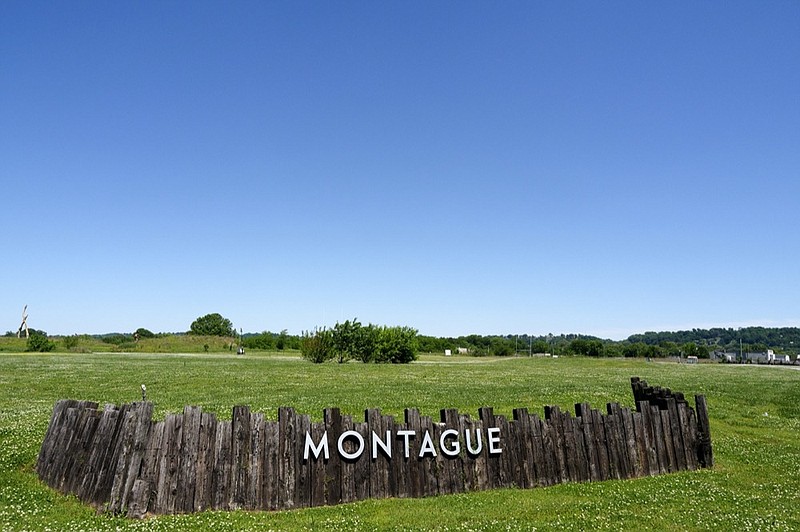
(360, 449)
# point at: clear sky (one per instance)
(459, 167)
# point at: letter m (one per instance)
(322, 446)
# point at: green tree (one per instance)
(141, 332)
(589, 348)
(540, 346)
(501, 347)
(212, 325)
(282, 340)
(397, 345)
(346, 339)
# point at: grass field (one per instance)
(754, 411)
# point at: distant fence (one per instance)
(120, 461)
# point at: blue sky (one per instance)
(459, 167)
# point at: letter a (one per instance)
(427, 446)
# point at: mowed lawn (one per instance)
(754, 411)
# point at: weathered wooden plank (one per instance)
(205, 462)
(132, 442)
(658, 439)
(122, 431)
(616, 440)
(449, 418)
(340, 488)
(690, 435)
(445, 483)
(552, 466)
(570, 446)
(398, 479)
(467, 460)
(508, 456)
(270, 478)
(95, 486)
(705, 455)
(317, 466)
(527, 470)
(666, 430)
(137, 508)
(649, 437)
(634, 465)
(170, 464)
(553, 416)
(379, 473)
(641, 466)
(494, 464)
(584, 412)
(544, 477)
(143, 497)
(287, 485)
(355, 480)
(677, 438)
(79, 449)
(430, 471)
(187, 463)
(221, 476)
(240, 457)
(582, 465)
(54, 459)
(481, 463)
(601, 445)
(392, 464)
(363, 467)
(302, 468)
(415, 471)
(51, 444)
(255, 487)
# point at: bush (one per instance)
(116, 339)
(317, 346)
(38, 342)
(265, 340)
(70, 342)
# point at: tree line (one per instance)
(371, 343)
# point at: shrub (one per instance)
(70, 342)
(38, 342)
(265, 340)
(116, 339)
(317, 346)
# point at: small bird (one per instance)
(144, 393)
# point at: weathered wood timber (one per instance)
(119, 459)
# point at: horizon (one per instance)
(608, 168)
(421, 333)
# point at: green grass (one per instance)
(754, 411)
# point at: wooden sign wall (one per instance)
(120, 460)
